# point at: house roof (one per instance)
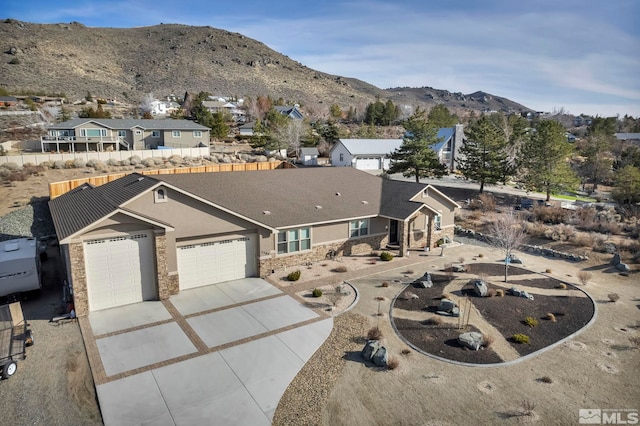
(291, 111)
(444, 135)
(627, 136)
(304, 152)
(274, 199)
(371, 146)
(115, 123)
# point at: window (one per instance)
(341, 157)
(437, 222)
(359, 228)
(138, 132)
(93, 133)
(175, 133)
(197, 134)
(294, 240)
(122, 133)
(155, 134)
(160, 195)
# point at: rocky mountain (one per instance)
(128, 63)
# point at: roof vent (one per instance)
(266, 212)
(365, 202)
(318, 207)
(338, 194)
(140, 179)
(11, 246)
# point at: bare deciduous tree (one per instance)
(507, 234)
(290, 134)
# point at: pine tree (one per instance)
(482, 157)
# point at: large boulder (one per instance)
(514, 259)
(380, 358)
(616, 259)
(472, 340)
(480, 288)
(446, 305)
(425, 284)
(459, 267)
(370, 349)
(623, 267)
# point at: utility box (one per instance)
(19, 266)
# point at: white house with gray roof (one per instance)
(374, 154)
(145, 237)
(99, 134)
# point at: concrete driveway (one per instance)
(221, 354)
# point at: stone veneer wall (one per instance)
(167, 284)
(79, 279)
(318, 253)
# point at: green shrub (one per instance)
(530, 321)
(520, 338)
(386, 256)
(294, 276)
(316, 292)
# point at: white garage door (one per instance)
(120, 270)
(217, 261)
(368, 163)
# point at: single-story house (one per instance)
(6, 101)
(309, 156)
(374, 154)
(98, 134)
(628, 137)
(144, 237)
(247, 128)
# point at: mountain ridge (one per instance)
(128, 63)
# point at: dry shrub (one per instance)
(434, 320)
(475, 215)
(535, 229)
(527, 408)
(550, 317)
(548, 271)
(491, 292)
(612, 228)
(445, 296)
(374, 333)
(635, 342)
(379, 298)
(406, 352)
(584, 277)
(461, 259)
(393, 363)
(385, 284)
(480, 255)
(409, 272)
(340, 268)
(500, 292)
(584, 240)
(487, 202)
(561, 286)
(487, 340)
(545, 379)
(613, 297)
(552, 215)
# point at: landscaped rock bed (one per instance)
(570, 310)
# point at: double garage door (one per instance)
(120, 270)
(217, 261)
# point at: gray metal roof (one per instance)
(628, 136)
(371, 146)
(309, 152)
(292, 197)
(124, 124)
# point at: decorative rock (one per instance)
(623, 267)
(471, 340)
(370, 349)
(380, 358)
(426, 284)
(609, 248)
(616, 260)
(446, 305)
(520, 293)
(514, 259)
(459, 268)
(455, 312)
(480, 288)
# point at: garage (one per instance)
(217, 261)
(120, 270)
(368, 163)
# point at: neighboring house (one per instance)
(97, 134)
(570, 137)
(232, 108)
(247, 128)
(629, 137)
(289, 111)
(7, 101)
(374, 154)
(148, 237)
(308, 156)
(163, 107)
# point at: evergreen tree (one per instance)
(482, 157)
(544, 159)
(440, 116)
(219, 128)
(63, 115)
(415, 156)
(627, 189)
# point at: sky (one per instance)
(581, 56)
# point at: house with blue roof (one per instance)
(374, 154)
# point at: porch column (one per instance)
(403, 234)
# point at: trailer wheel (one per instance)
(9, 369)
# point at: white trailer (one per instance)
(19, 266)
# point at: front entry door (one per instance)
(393, 231)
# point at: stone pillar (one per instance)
(79, 279)
(167, 284)
(404, 238)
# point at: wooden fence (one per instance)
(56, 189)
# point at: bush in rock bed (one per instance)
(134, 160)
(386, 256)
(520, 338)
(58, 164)
(294, 276)
(316, 292)
(11, 166)
(530, 321)
(79, 163)
(374, 333)
(149, 162)
(112, 162)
